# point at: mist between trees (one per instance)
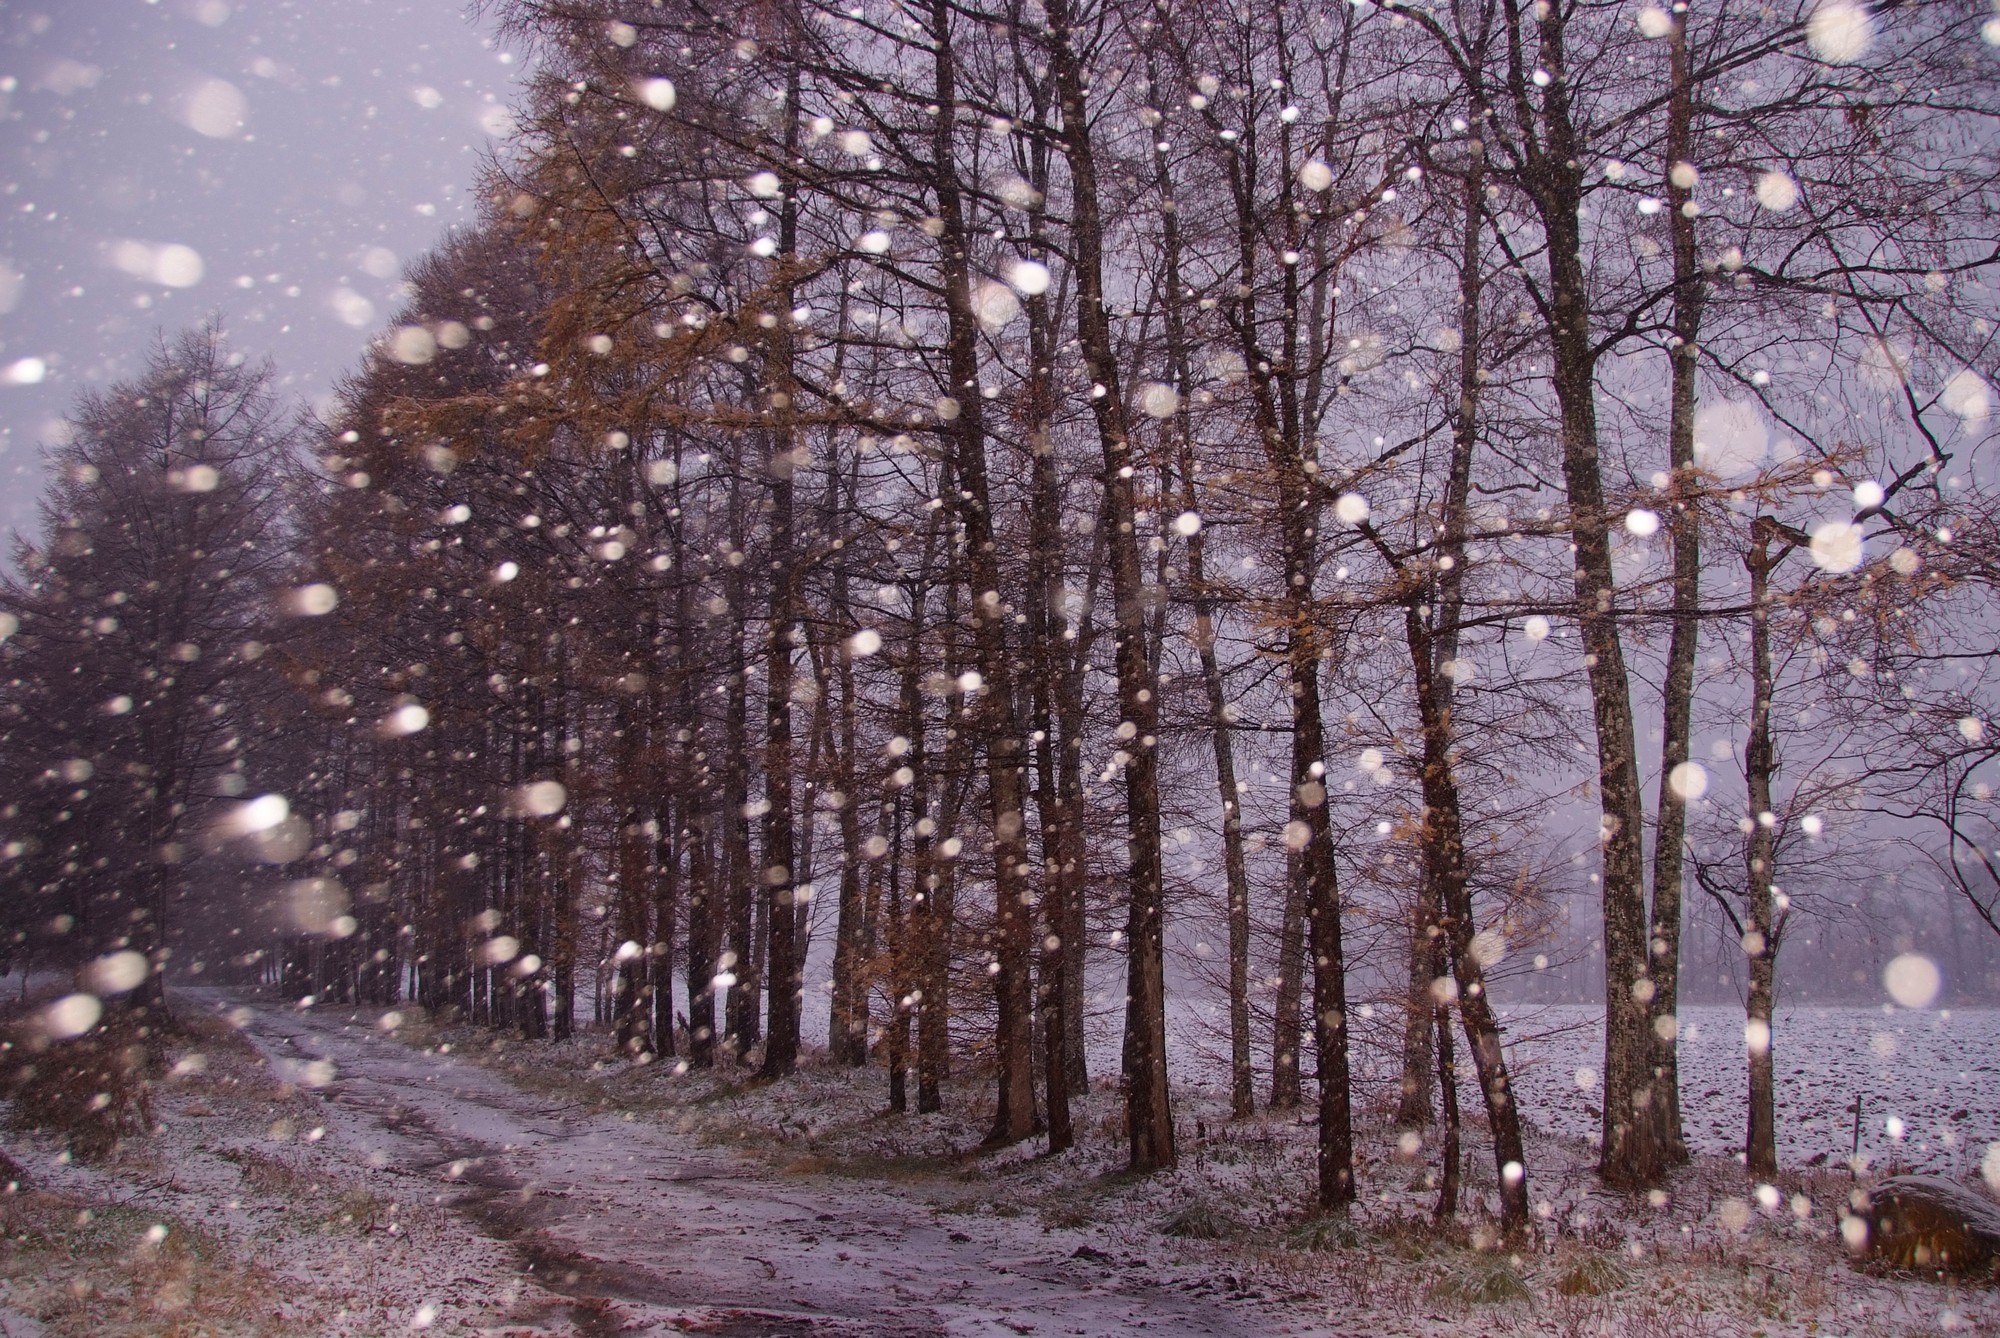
(1031, 508)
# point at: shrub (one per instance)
(91, 1090)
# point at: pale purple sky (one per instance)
(276, 161)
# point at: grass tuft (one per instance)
(1199, 1220)
(1479, 1281)
(1324, 1232)
(1591, 1275)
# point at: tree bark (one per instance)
(777, 879)
(847, 1029)
(631, 990)
(1308, 834)
(1760, 1145)
(1236, 881)
(1447, 1075)
(1631, 1153)
(1148, 1112)
(1684, 536)
(666, 898)
(1444, 858)
(743, 1018)
(1014, 902)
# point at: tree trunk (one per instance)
(897, 1042)
(938, 872)
(1236, 881)
(1287, 1023)
(666, 893)
(1444, 858)
(847, 1029)
(1420, 1056)
(1308, 834)
(927, 958)
(632, 1003)
(742, 1020)
(1048, 631)
(1760, 1147)
(784, 975)
(1677, 692)
(1447, 1075)
(1013, 1043)
(1632, 1155)
(1148, 1112)
(705, 897)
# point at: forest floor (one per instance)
(337, 1171)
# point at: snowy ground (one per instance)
(332, 1176)
(1928, 1081)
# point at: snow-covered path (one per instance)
(662, 1233)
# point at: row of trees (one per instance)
(1034, 489)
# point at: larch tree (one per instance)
(139, 622)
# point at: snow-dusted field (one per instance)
(1929, 1081)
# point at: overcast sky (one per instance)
(276, 161)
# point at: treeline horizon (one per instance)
(1295, 499)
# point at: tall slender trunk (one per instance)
(703, 939)
(1013, 897)
(566, 861)
(563, 859)
(926, 958)
(1075, 860)
(1435, 589)
(1450, 581)
(897, 1041)
(1236, 881)
(1047, 631)
(704, 898)
(1444, 859)
(1058, 647)
(1148, 1112)
(940, 886)
(666, 896)
(1308, 834)
(1047, 627)
(784, 976)
(847, 1029)
(1287, 1018)
(1631, 1155)
(743, 1019)
(1069, 643)
(1760, 1146)
(1684, 535)
(1447, 1075)
(631, 992)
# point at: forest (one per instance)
(909, 526)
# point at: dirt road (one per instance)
(655, 1232)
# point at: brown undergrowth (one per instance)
(108, 1271)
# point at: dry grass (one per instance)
(98, 1271)
(1584, 1272)
(321, 1201)
(1200, 1220)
